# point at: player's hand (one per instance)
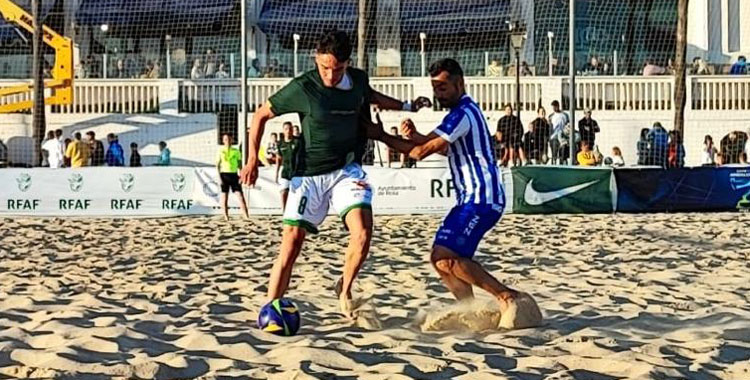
(375, 130)
(249, 173)
(408, 129)
(419, 103)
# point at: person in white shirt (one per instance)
(197, 72)
(708, 154)
(222, 72)
(54, 148)
(45, 152)
(558, 120)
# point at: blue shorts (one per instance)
(464, 227)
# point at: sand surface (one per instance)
(625, 296)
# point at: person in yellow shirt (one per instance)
(586, 157)
(228, 163)
(78, 152)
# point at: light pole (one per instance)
(517, 40)
(422, 38)
(105, 28)
(168, 40)
(296, 49)
(550, 36)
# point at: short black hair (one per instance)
(336, 43)
(58, 132)
(77, 135)
(111, 136)
(555, 103)
(288, 123)
(133, 145)
(90, 133)
(448, 65)
(162, 144)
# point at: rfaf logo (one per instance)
(178, 182)
(76, 182)
(24, 182)
(127, 182)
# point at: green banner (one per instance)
(547, 190)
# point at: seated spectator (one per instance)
(586, 156)
(254, 70)
(651, 69)
(165, 158)
(617, 160)
(495, 69)
(135, 157)
(115, 155)
(197, 72)
(525, 70)
(3, 155)
(708, 154)
(699, 67)
(739, 67)
(642, 148)
(222, 72)
(593, 67)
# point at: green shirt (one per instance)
(289, 151)
(229, 160)
(331, 134)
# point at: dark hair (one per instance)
(111, 136)
(287, 123)
(336, 43)
(58, 132)
(555, 103)
(742, 58)
(448, 65)
(77, 135)
(707, 139)
(644, 133)
(162, 144)
(90, 133)
(51, 134)
(133, 145)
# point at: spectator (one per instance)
(593, 67)
(588, 128)
(222, 72)
(197, 72)
(394, 155)
(676, 151)
(525, 70)
(617, 160)
(273, 70)
(558, 120)
(510, 134)
(78, 152)
(97, 149)
(642, 148)
(120, 71)
(651, 69)
(228, 164)
(586, 156)
(495, 69)
(115, 155)
(66, 160)
(45, 153)
(54, 150)
(539, 138)
(731, 146)
(254, 70)
(699, 67)
(135, 157)
(564, 144)
(3, 155)
(708, 154)
(165, 155)
(739, 67)
(658, 140)
(297, 132)
(211, 64)
(272, 149)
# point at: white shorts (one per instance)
(310, 197)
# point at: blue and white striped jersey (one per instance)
(472, 163)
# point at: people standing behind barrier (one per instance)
(510, 134)
(558, 120)
(617, 160)
(699, 67)
(739, 67)
(55, 154)
(676, 151)
(135, 157)
(165, 155)
(708, 153)
(97, 149)
(228, 163)
(78, 152)
(115, 155)
(197, 72)
(536, 140)
(731, 146)
(643, 150)
(3, 155)
(495, 69)
(563, 143)
(658, 140)
(296, 131)
(222, 72)
(45, 153)
(588, 128)
(211, 64)
(272, 149)
(586, 157)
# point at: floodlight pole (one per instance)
(572, 78)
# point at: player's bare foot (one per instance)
(345, 300)
(506, 298)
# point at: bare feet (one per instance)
(345, 300)
(506, 298)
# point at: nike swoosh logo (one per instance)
(535, 198)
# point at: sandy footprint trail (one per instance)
(659, 296)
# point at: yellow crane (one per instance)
(61, 84)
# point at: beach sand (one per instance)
(623, 296)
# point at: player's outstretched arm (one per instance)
(435, 143)
(249, 173)
(385, 102)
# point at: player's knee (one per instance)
(294, 234)
(440, 262)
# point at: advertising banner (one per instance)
(688, 189)
(546, 190)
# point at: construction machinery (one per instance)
(61, 83)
